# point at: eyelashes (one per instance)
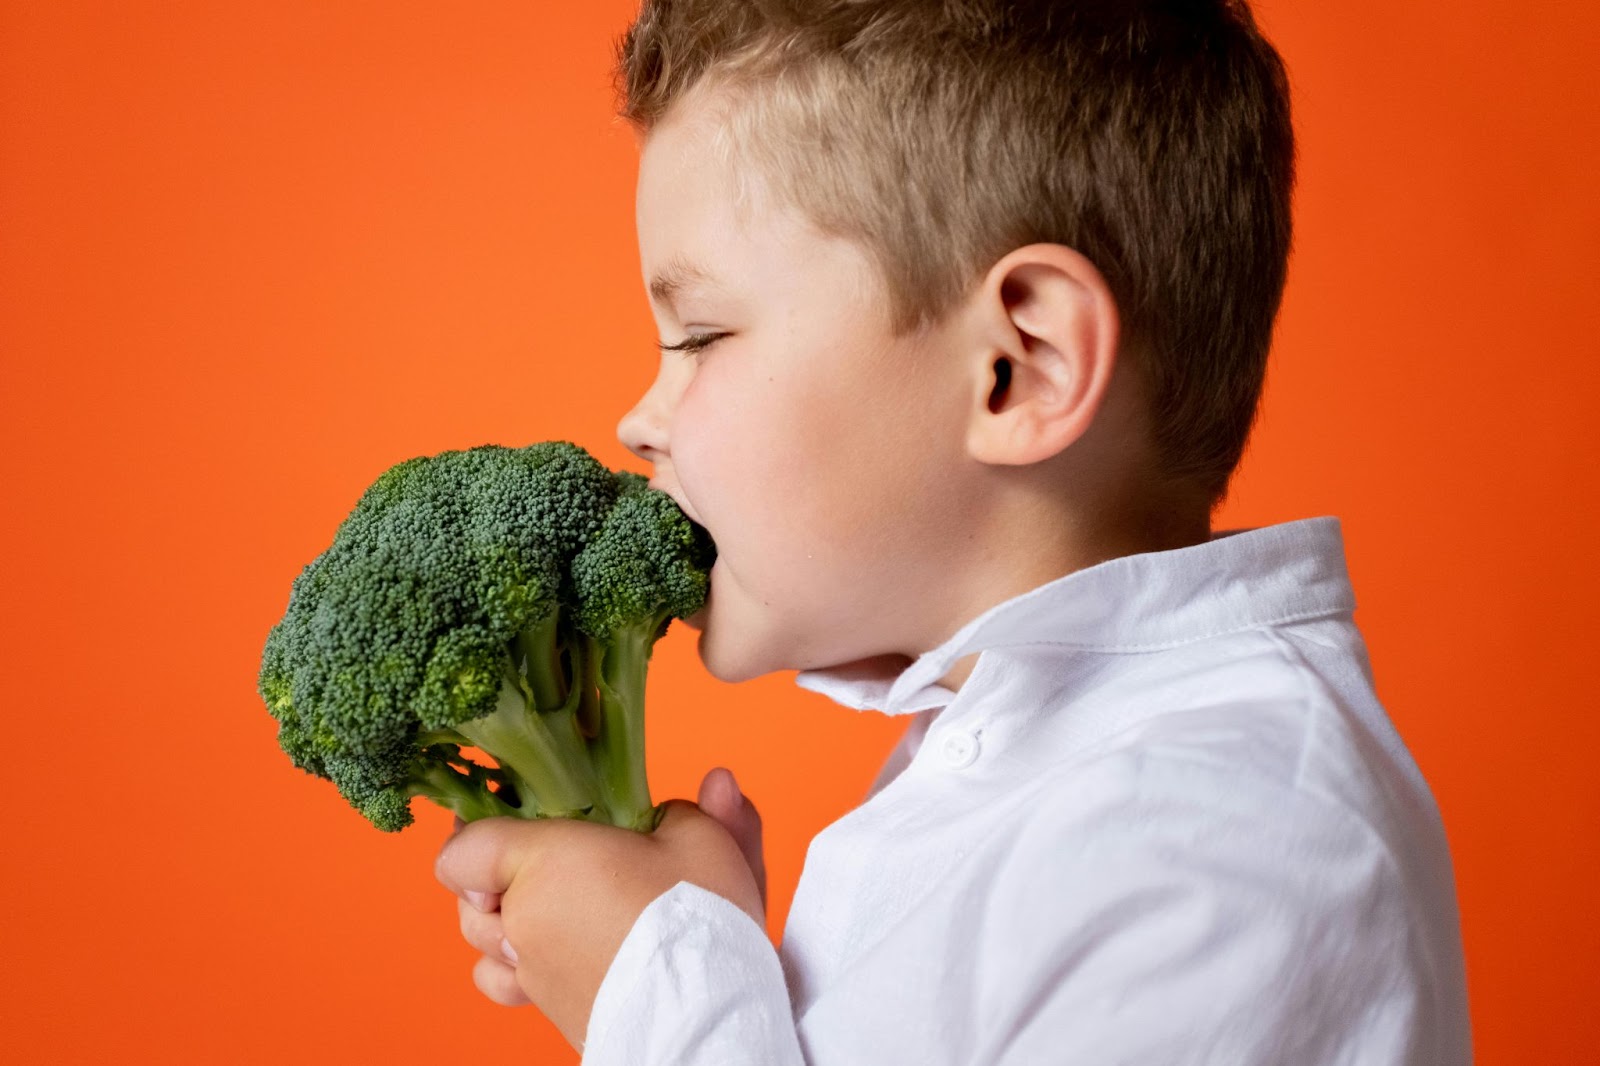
(695, 342)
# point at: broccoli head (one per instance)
(499, 599)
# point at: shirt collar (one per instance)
(1239, 579)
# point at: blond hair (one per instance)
(1152, 136)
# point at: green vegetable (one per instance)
(503, 599)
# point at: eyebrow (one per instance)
(678, 276)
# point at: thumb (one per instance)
(721, 798)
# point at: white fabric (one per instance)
(1165, 821)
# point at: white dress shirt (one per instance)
(1164, 821)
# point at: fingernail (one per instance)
(508, 951)
(479, 900)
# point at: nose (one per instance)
(641, 433)
(644, 429)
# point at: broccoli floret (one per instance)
(503, 599)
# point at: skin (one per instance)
(837, 467)
(549, 903)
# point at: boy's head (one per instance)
(992, 285)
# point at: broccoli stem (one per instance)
(617, 671)
(543, 753)
(540, 651)
(468, 798)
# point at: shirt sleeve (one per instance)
(1168, 919)
(695, 983)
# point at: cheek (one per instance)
(736, 457)
(810, 487)
(711, 435)
(793, 476)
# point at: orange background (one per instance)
(251, 255)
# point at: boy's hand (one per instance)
(549, 902)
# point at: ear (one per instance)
(1047, 343)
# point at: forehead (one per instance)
(703, 228)
(697, 219)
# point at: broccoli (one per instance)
(502, 599)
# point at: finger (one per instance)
(482, 857)
(719, 794)
(721, 798)
(750, 842)
(488, 902)
(498, 981)
(486, 932)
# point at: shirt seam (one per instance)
(1308, 702)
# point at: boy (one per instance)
(968, 305)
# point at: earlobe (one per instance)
(1050, 340)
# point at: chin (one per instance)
(726, 664)
(725, 645)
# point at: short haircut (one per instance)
(1151, 136)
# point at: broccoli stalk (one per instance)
(533, 730)
(458, 784)
(615, 684)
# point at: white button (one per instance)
(959, 748)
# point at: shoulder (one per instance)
(1214, 784)
(1247, 719)
(1163, 871)
(1224, 853)
(1243, 768)
(1193, 845)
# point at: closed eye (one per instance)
(695, 342)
